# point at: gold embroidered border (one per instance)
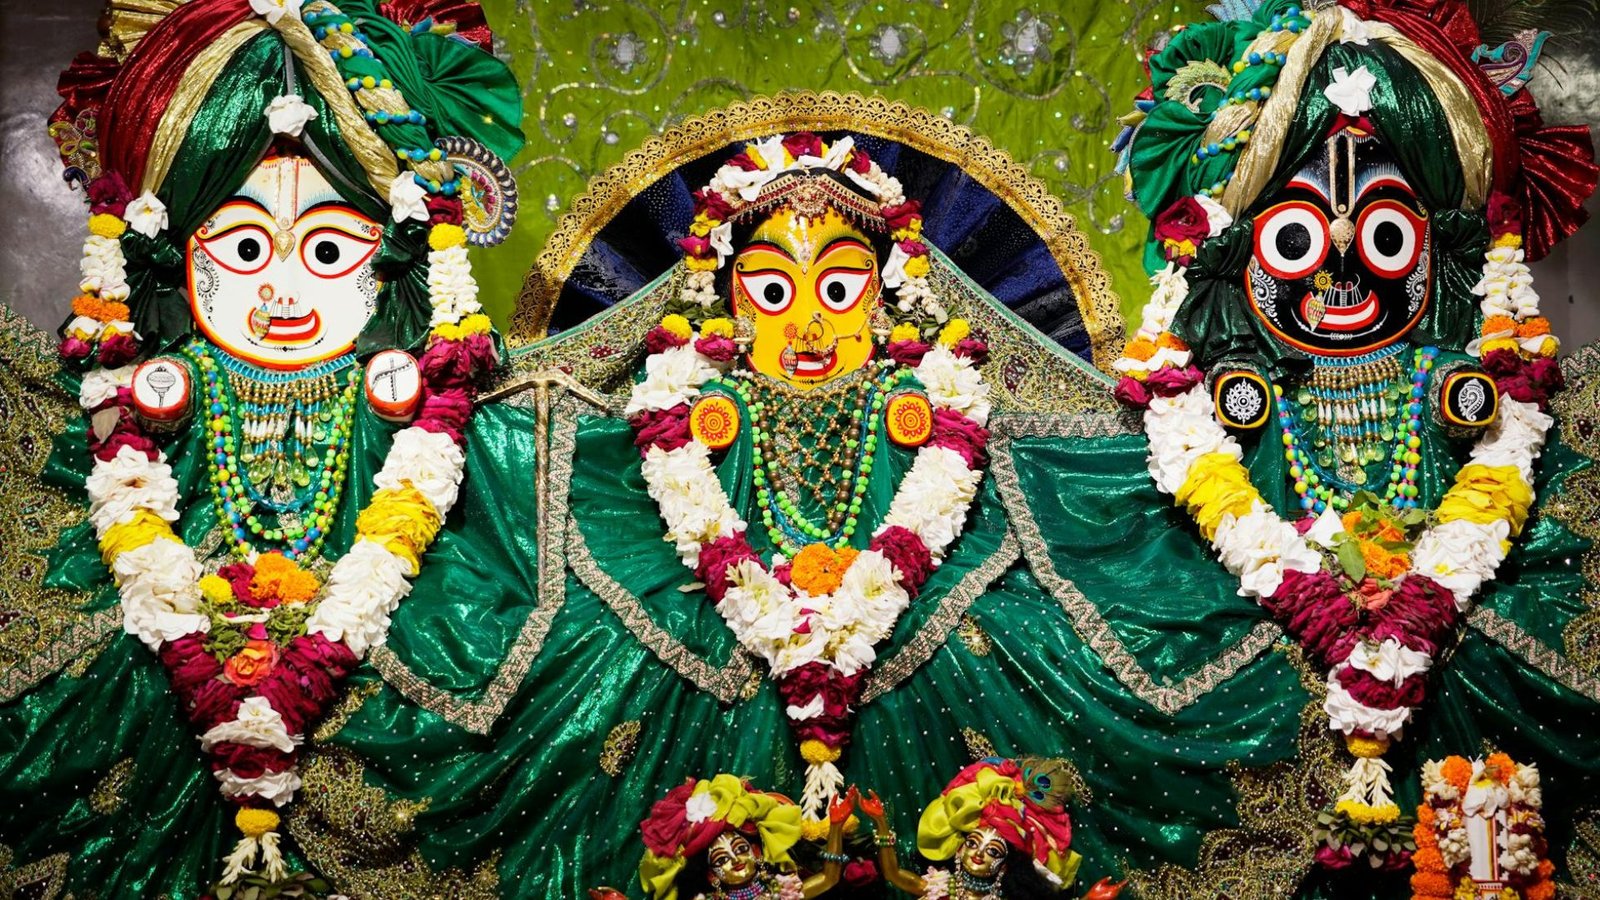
(1583, 859)
(43, 878)
(724, 683)
(479, 715)
(1577, 504)
(1091, 627)
(1534, 652)
(42, 630)
(610, 191)
(937, 630)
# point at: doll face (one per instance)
(732, 859)
(810, 285)
(281, 274)
(1342, 263)
(982, 853)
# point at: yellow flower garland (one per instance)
(1486, 494)
(1216, 486)
(402, 520)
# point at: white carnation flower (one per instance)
(431, 462)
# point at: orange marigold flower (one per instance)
(1425, 819)
(1432, 885)
(1543, 890)
(819, 569)
(100, 310)
(1499, 325)
(1457, 772)
(1140, 349)
(1534, 327)
(278, 576)
(1388, 531)
(1500, 767)
(1351, 520)
(1170, 341)
(1428, 859)
(1383, 564)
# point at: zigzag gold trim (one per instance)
(611, 190)
(1091, 627)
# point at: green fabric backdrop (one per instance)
(1043, 81)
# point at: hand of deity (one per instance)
(1468, 400)
(839, 810)
(1104, 889)
(871, 806)
(1243, 399)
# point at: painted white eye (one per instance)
(244, 250)
(769, 289)
(331, 253)
(842, 289)
(1291, 239)
(1389, 238)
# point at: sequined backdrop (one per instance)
(1044, 80)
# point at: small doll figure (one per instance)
(1005, 824)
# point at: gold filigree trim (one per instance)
(974, 637)
(479, 715)
(621, 743)
(106, 797)
(1577, 504)
(725, 683)
(1583, 859)
(42, 630)
(979, 746)
(350, 704)
(1092, 628)
(359, 838)
(936, 631)
(1271, 851)
(1535, 652)
(42, 879)
(611, 190)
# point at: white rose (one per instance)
(126, 483)
(951, 382)
(257, 724)
(432, 462)
(407, 198)
(147, 215)
(1388, 660)
(671, 377)
(1515, 438)
(288, 114)
(158, 586)
(278, 787)
(100, 385)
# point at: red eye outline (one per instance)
(266, 247)
(1418, 225)
(371, 245)
(1265, 221)
(866, 285)
(760, 305)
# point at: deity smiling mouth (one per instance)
(283, 323)
(1341, 308)
(815, 365)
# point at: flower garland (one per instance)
(1497, 789)
(815, 619)
(1375, 596)
(256, 650)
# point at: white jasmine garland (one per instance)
(104, 268)
(451, 289)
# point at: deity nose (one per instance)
(1343, 232)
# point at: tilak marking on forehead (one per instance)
(282, 188)
(805, 239)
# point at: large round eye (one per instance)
(1389, 238)
(243, 250)
(841, 289)
(769, 289)
(331, 253)
(1291, 239)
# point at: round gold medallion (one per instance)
(909, 419)
(714, 421)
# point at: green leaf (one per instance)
(1351, 561)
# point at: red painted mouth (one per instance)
(286, 330)
(815, 365)
(1354, 317)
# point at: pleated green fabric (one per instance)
(1099, 629)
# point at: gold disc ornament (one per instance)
(909, 420)
(714, 421)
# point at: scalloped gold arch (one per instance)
(937, 136)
